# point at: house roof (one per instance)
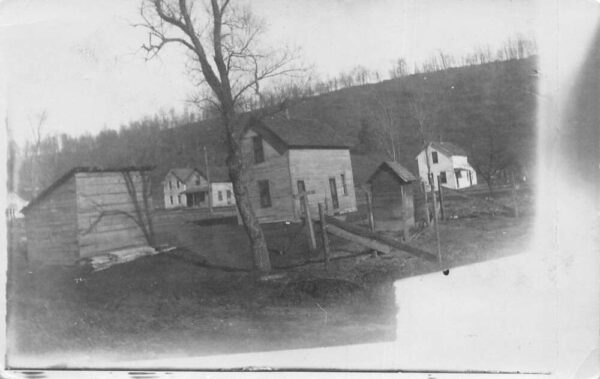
(183, 174)
(448, 148)
(287, 133)
(76, 170)
(397, 169)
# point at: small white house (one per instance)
(448, 162)
(189, 187)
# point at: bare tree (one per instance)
(385, 112)
(36, 127)
(223, 44)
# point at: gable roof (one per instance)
(448, 148)
(76, 170)
(397, 169)
(183, 174)
(293, 133)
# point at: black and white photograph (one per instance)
(291, 188)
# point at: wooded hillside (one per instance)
(487, 109)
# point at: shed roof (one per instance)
(76, 170)
(448, 148)
(287, 133)
(397, 169)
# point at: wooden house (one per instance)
(448, 162)
(286, 157)
(89, 212)
(189, 187)
(392, 197)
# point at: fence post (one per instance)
(514, 194)
(312, 242)
(324, 235)
(424, 189)
(370, 211)
(440, 192)
(435, 221)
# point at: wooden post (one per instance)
(514, 194)
(427, 220)
(370, 211)
(309, 223)
(435, 223)
(441, 199)
(210, 208)
(324, 235)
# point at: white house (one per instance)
(448, 162)
(189, 187)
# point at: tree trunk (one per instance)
(258, 243)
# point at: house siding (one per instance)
(223, 187)
(51, 227)
(315, 167)
(106, 192)
(275, 169)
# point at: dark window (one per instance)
(170, 185)
(178, 199)
(344, 185)
(220, 195)
(259, 154)
(443, 177)
(171, 198)
(434, 157)
(178, 184)
(265, 193)
(197, 182)
(301, 188)
(228, 197)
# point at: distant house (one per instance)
(189, 187)
(449, 162)
(14, 204)
(89, 212)
(392, 197)
(287, 156)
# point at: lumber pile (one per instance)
(104, 261)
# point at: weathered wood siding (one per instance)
(393, 203)
(315, 167)
(275, 169)
(103, 204)
(51, 227)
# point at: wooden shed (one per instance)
(89, 212)
(392, 197)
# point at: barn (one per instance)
(392, 197)
(89, 212)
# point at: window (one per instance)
(265, 193)
(171, 198)
(443, 177)
(197, 181)
(170, 185)
(220, 195)
(344, 185)
(259, 154)
(228, 197)
(178, 199)
(458, 174)
(178, 183)
(434, 156)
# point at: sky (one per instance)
(81, 61)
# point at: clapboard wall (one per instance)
(106, 212)
(51, 226)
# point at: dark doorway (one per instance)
(334, 194)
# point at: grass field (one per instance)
(166, 306)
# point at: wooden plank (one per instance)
(372, 240)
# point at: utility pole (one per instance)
(210, 209)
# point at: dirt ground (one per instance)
(170, 305)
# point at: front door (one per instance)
(334, 195)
